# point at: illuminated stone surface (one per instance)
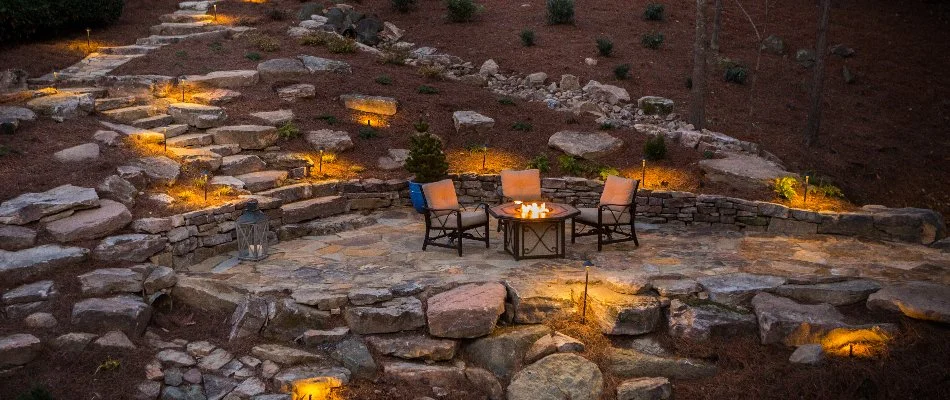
(558, 377)
(920, 300)
(467, 311)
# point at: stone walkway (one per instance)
(389, 252)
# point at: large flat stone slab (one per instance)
(127, 314)
(320, 207)
(919, 300)
(18, 349)
(282, 68)
(106, 281)
(739, 288)
(742, 170)
(414, 346)
(135, 247)
(91, 224)
(404, 313)
(558, 377)
(319, 64)
(225, 79)
(537, 302)
(370, 104)
(29, 207)
(197, 115)
(468, 311)
(23, 265)
(262, 180)
(330, 140)
(626, 363)
(834, 293)
(782, 320)
(252, 137)
(63, 105)
(586, 145)
(471, 121)
(705, 320)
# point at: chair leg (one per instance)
(458, 234)
(487, 241)
(425, 241)
(573, 231)
(634, 232)
(600, 239)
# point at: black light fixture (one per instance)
(321, 160)
(587, 265)
(643, 173)
(252, 228)
(88, 40)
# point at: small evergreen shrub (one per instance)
(384, 80)
(426, 159)
(606, 126)
(288, 131)
(421, 125)
(462, 10)
(622, 71)
(736, 73)
(431, 71)
(368, 132)
(655, 148)
(605, 47)
(506, 101)
(341, 45)
(329, 119)
(560, 12)
(570, 164)
(652, 40)
(604, 172)
(403, 6)
(265, 42)
(784, 187)
(527, 38)
(653, 12)
(426, 89)
(541, 163)
(521, 126)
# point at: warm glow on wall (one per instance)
(864, 343)
(494, 160)
(321, 388)
(370, 119)
(659, 177)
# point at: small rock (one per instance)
(18, 349)
(73, 342)
(558, 377)
(355, 356)
(175, 358)
(807, 354)
(114, 340)
(148, 390)
(40, 321)
(645, 389)
(297, 91)
(330, 140)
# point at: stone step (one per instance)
(241, 164)
(255, 137)
(225, 79)
(191, 140)
(112, 103)
(186, 16)
(161, 40)
(184, 28)
(173, 130)
(291, 193)
(195, 159)
(153, 122)
(129, 114)
(216, 97)
(223, 149)
(203, 5)
(198, 115)
(226, 181)
(262, 180)
(127, 50)
(320, 207)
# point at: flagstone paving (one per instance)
(389, 252)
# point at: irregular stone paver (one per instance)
(834, 293)
(782, 320)
(920, 300)
(370, 104)
(584, 144)
(29, 207)
(737, 289)
(467, 311)
(91, 224)
(19, 266)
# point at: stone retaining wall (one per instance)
(198, 235)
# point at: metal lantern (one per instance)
(252, 233)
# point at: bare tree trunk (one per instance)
(717, 26)
(814, 112)
(697, 102)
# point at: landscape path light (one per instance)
(587, 265)
(643, 173)
(88, 40)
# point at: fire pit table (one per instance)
(534, 230)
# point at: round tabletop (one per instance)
(556, 212)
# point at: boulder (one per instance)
(807, 354)
(535, 79)
(742, 170)
(834, 293)
(62, 106)
(404, 313)
(625, 363)
(216, 97)
(197, 115)
(225, 79)
(535, 302)
(23, 265)
(738, 288)
(29, 207)
(653, 105)
(262, 180)
(468, 311)
(773, 45)
(288, 320)
(370, 104)
(645, 389)
(556, 342)
(159, 278)
(107, 281)
(569, 82)
(118, 189)
(283, 354)
(622, 314)
(14, 237)
(319, 64)
(206, 294)
(488, 68)
(919, 300)
(414, 346)
(17, 113)
(355, 356)
(73, 342)
(471, 121)
(248, 318)
(30, 293)
(135, 247)
(503, 351)
(241, 164)
(91, 224)
(114, 341)
(127, 314)
(606, 93)
(585, 145)
(160, 169)
(252, 137)
(707, 319)
(330, 140)
(80, 153)
(18, 349)
(297, 91)
(274, 118)
(784, 321)
(558, 377)
(282, 69)
(395, 160)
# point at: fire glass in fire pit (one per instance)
(534, 230)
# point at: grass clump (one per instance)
(622, 71)
(253, 56)
(527, 38)
(384, 80)
(652, 40)
(540, 163)
(341, 45)
(736, 73)
(506, 101)
(604, 172)
(431, 71)
(521, 126)
(605, 47)
(426, 89)
(462, 10)
(653, 12)
(560, 12)
(288, 131)
(313, 39)
(265, 43)
(570, 165)
(655, 148)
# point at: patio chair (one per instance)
(449, 220)
(613, 219)
(520, 185)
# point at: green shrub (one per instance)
(560, 12)
(522, 126)
(541, 163)
(506, 101)
(707, 154)
(384, 80)
(313, 39)
(652, 40)
(368, 132)
(34, 19)
(736, 73)
(605, 47)
(622, 71)
(462, 10)
(288, 131)
(426, 89)
(655, 148)
(36, 393)
(527, 38)
(421, 125)
(329, 119)
(265, 42)
(654, 12)
(341, 45)
(276, 14)
(604, 172)
(431, 71)
(403, 6)
(606, 126)
(784, 187)
(426, 159)
(570, 165)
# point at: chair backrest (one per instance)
(441, 195)
(524, 185)
(620, 191)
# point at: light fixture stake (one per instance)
(587, 265)
(214, 7)
(88, 41)
(643, 173)
(484, 155)
(321, 160)
(805, 198)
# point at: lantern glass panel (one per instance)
(252, 228)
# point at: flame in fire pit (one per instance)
(532, 211)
